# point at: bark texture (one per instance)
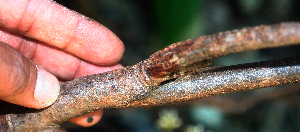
(171, 75)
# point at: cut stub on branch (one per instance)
(171, 75)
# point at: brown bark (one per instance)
(171, 75)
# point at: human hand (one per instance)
(49, 36)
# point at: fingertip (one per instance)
(114, 48)
(46, 88)
(89, 119)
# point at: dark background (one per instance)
(147, 26)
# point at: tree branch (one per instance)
(171, 75)
(213, 81)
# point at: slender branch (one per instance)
(215, 81)
(170, 75)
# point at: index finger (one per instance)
(49, 22)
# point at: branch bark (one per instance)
(171, 75)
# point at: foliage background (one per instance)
(147, 26)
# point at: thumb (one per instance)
(24, 83)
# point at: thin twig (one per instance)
(215, 81)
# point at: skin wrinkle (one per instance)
(20, 28)
(27, 48)
(32, 46)
(19, 75)
(33, 58)
(27, 67)
(74, 72)
(7, 37)
(71, 39)
(56, 55)
(77, 69)
(36, 16)
(71, 35)
(109, 49)
(27, 74)
(18, 68)
(18, 44)
(78, 33)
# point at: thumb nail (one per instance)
(47, 88)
